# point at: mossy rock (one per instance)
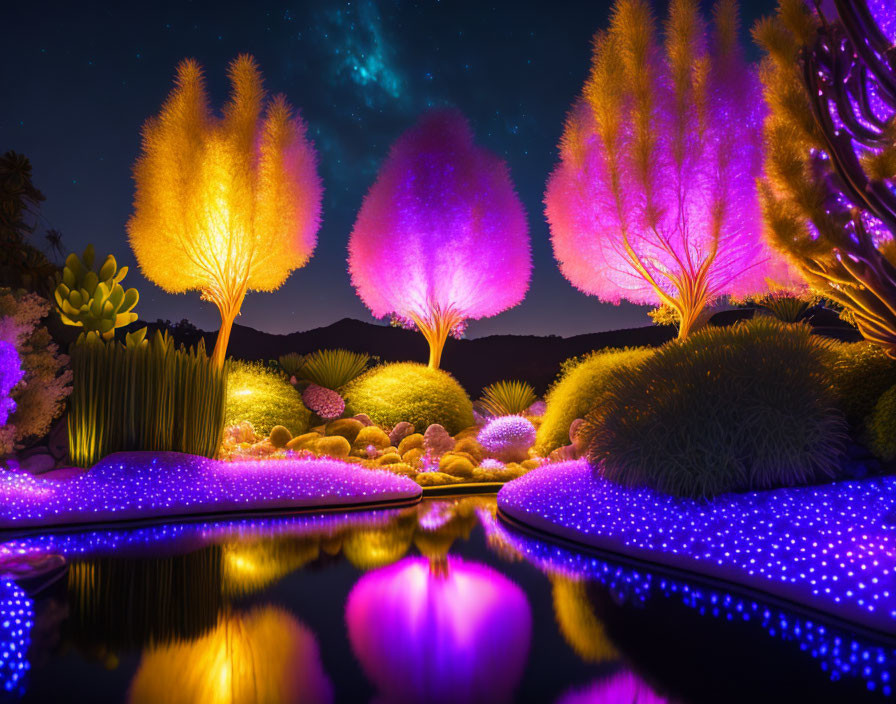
(471, 446)
(333, 446)
(436, 479)
(403, 469)
(303, 442)
(413, 456)
(531, 464)
(456, 466)
(391, 393)
(469, 432)
(371, 435)
(389, 458)
(280, 436)
(346, 427)
(412, 441)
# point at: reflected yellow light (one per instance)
(578, 623)
(263, 656)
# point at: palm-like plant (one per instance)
(333, 369)
(507, 398)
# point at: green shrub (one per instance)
(412, 392)
(508, 398)
(859, 373)
(882, 426)
(263, 397)
(333, 369)
(727, 409)
(576, 390)
(146, 396)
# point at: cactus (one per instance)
(94, 300)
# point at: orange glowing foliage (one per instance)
(228, 203)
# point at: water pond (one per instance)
(440, 602)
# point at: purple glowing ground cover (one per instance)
(829, 547)
(145, 485)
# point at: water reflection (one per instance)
(264, 655)
(624, 686)
(423, 623)
(439, 631)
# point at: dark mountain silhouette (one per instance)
(475, 363)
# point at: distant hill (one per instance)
(475, 363)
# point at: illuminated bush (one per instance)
(264, 398)
(859, 372)
(882, 426)
(411, 392)
(507, 398)
(325, 402)
(38, 397)
(575, 392)
(728, 409)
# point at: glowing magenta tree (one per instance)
(654, 199)
(442, 235)
(224, 204)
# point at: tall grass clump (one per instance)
(508, 398)
(262, 396)
(291, 363)
(576, 390)
(415, 393)
(333, 369)
(144, 396)
(728, 409)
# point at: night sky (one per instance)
(79, 80)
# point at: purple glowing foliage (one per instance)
(830, 547)
(592, 229)
(453, 633)
(508, 438)
(839, 651)
(442, 229)
(326, 403)
(11, 374)
(16, 621)
(140, 485)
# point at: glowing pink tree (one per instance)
(442, 236)
(654, 199)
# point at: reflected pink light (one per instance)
(624, 686)
(458, 636)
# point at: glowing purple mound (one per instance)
(145, 485)
(830, 547)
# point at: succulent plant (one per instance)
(94, 300)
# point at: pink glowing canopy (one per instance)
(695, 200)
(455, 633)
(441, 229)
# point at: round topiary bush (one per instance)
(882, 426)
(508, 438)
(391, 393)
(265, 398)
(574, 393)
(859, 372)
(727, 409)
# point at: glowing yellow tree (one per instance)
(225, 203)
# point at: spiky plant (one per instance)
(333, 369)
(508, 397)
(291, 363)
(728, 409)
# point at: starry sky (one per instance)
(79, 79)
